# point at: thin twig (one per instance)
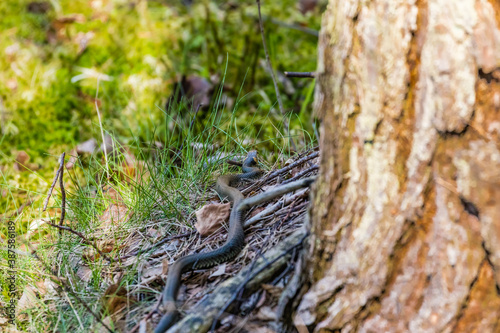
(102, 131)
(63, 192)
(294, 27)
(84, 239)
(300, 74)
(280, 171)
(272, 208)
(49, 193)
(301, 174)
(275, 192)
(273, 76)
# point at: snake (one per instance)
(204, 260)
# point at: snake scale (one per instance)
(234, 244)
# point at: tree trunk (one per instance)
(406, 215)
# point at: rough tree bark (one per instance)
(406, 215)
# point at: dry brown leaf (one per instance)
(307, 5)
(221, 270)
(11, 330)
(41, 287)
(22, 162)
(90, 254)
(262, 300)
(84, 273)
(210, 217)
(165, 266)
(50, 288)
(114, 214)
(3, 321)
(115, 299)
(88, 146)
(151, 271)
(152, 232)
(72, 160)
(28, 300)
(106, 246)
(193, 88)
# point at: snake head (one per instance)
(251, 158)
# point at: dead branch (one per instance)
(63, 192)
(300, 74)
(82, 237)
(200, 319)
(49, 193)
(272, 208)
(280, 172)
(275, 192)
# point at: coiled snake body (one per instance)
(234, 244)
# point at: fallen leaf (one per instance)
(106, 246)
(88, 146)
(221, 270)
(28, 300)
(50, 287)
(22, 162)
(255, 328)
(210, 217)
(193, 292)
(153, 232)
(151, 271)
(41, 287)
(90, 254)
(114, 214)
(193, 88)
(84, 273)
(72, 159)
(115, 298)
(165, 266)
(34, 225)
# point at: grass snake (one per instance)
(234, 244)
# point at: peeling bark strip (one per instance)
(409, 186)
